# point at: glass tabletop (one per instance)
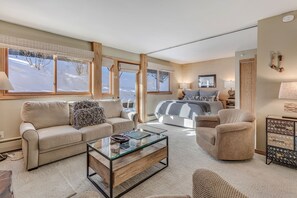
(113, 150)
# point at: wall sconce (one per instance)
(288, 90)
(276, 65)
(230, 84)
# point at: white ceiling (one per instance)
(143, 26)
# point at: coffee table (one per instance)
(109, 164)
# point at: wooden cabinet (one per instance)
(281, 140)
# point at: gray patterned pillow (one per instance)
(74, 106)
(88, 117)
(190, 94)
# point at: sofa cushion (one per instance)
(53, 137)
(88, 117)
(45, 114)
(208, 134)
(96, 131)
(112, 108)
(120, 125)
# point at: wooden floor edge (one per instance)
(260, 152)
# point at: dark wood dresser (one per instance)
(281, 141)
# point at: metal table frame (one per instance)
(89, 176)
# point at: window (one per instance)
(105, 80)
(128, 88)
(158, 81)
(30, 71)
(72, 75)
(107, 65)
(35, 72)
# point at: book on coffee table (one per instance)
(137, 135)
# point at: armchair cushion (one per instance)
(45, 114)
(96, 131)
(208, 134)
(120, 125)
(112, 108)
(57, 136)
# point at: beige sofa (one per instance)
(230, 135)
(47, 135)
(207, 184)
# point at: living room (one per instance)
(145, 71)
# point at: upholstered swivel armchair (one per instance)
(228, 135)
(207, 184)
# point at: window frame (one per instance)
(158, 83)
(55, 91)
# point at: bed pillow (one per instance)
(88, 117)
(205, 93)
(190, 94)
(207, 98)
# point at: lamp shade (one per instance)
(184, 85)
(288, 90)
(4, 82)
(229, 84)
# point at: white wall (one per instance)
(224, 69)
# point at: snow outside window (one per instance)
(30, 71)
(158, 81)
(72, 75)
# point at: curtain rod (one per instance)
(207, 38)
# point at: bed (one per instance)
(183, 112)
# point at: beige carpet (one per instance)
(66, 177)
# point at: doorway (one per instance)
(248, 75)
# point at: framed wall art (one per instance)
(207, 81)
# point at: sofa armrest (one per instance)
(207, 121)
(133, 116)
(29, 145)
(209, 184)
(169, 196)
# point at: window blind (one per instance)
(128, 67)
(47, 48)
(107, 62)
(159, 67)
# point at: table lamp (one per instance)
(4, 85)
(4, 82)
(288, 90)
(230, 84)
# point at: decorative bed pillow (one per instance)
(88, 117)
(205, 93)
(207, 98)
(74, 106)
(190, 94)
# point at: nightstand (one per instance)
(230, 103)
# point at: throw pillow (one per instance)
(74, 106)
(208, 93)
(190, 95)
(88, 117)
